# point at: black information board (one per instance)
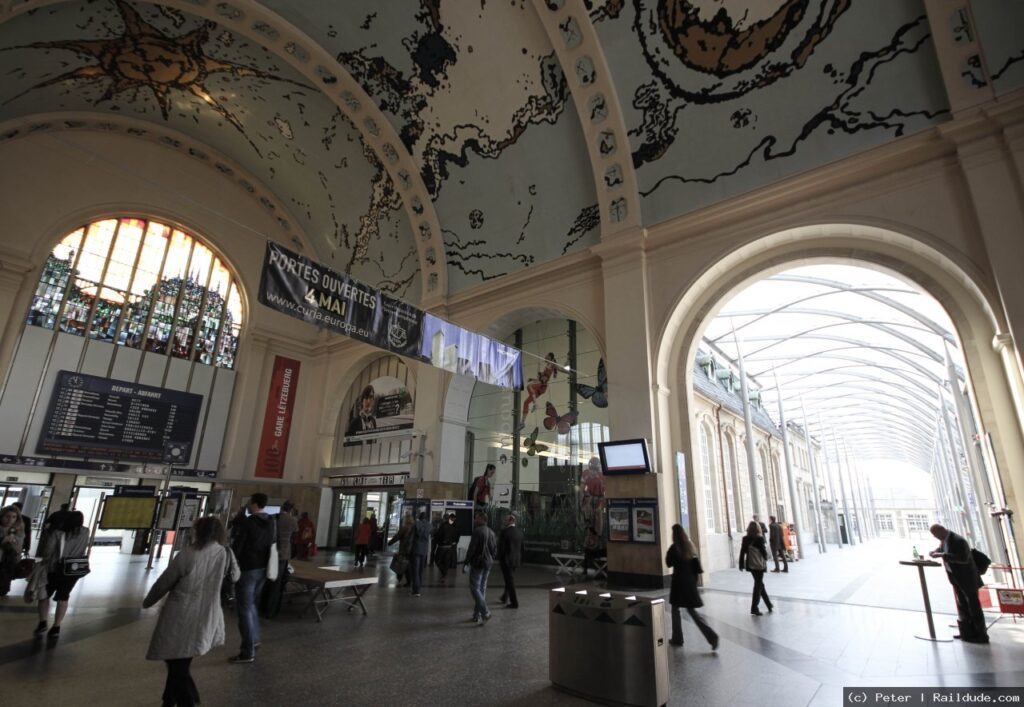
(95, 417)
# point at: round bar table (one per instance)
(920, 565)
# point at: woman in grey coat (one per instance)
(191, 621)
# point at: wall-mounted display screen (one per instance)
(96, 417)
(128, 512)
(628, 456)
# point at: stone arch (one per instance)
(965, 293)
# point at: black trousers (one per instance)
(776, 552)
(969, 612)
(179, 690)
(445, 559)
(677, 625)
(361, 552)
(759, 591)
(509, 573)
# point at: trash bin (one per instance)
(610, 646)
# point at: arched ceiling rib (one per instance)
(859, 352)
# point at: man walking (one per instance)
(419, 551)
(963, 574)
(252, 540)
(510, 555)
(483, 546)
(777, 544)
(446, 538)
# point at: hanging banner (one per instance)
(302, 288)
(467, 353)
(277, 420)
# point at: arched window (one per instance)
(141, 284)
(709, 484)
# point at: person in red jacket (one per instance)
(307, 537)
(363, 533)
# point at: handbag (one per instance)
(73, 566)
(36, 588)
(399, 563)
(695, 566)
(273, 564)
(24, 568)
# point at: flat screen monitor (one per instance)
(627, 456)
(128, 512)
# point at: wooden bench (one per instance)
(569, 563)
(326, 585)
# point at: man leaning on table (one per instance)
(963, 574)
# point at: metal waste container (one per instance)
(610, 646)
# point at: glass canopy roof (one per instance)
(862, 352)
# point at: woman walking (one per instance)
(684, 595)
(754, 558)
(70, 541)
(363, 533)
(12, 540)
(191, 621)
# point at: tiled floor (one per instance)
(413, 651)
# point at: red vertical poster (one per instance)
(277, 420)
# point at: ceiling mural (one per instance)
(722, 96)
(480, 101)
(999, 25)
(160, 64)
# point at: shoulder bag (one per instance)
(227, 587)
(73, 566)
(756, 561)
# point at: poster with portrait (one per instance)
(619, 520)
(645, 520)
(383, 405)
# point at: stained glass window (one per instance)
(144, 285)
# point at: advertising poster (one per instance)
(189, 512)
(277, 419)
(384, 405)
(448, 346)
(304, 289)
(645, 520)
(502, 497)
(168, 513)
(618, 520)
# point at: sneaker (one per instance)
(486, 617)
(40, 628)
(53, 632)
(416, 594)
(242, 658)
(474, 620)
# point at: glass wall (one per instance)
(543, 440)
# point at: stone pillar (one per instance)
(632, 397)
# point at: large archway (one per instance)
(961, 291)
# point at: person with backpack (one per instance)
(481, 488)
(754, 559)
(963, 573)
(483, 546)
(252, 542)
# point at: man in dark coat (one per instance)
(252, 539)
(963, 574)
(777, 545)
(446, 538)
(510, 556)
(419, 552)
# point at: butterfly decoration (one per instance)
(532, 446)
(596, 394)
(563, 422)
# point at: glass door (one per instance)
(348, 508)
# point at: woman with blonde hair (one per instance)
(754, 559)
(191, 620)
(12, 540)
(685, 565)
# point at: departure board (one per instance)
(102, 418)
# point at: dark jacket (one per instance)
(252, 541)
(483, 546)
(510, 547)
(959, 561)
(446, 534)
(775, 536)
(684, 582)
(420, 538)
(752, 544)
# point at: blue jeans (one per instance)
(478, 588)
(246, 591)
(416, 563)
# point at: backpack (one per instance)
(755, 560)
(981, 560)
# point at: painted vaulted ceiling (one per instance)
(717, 97)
